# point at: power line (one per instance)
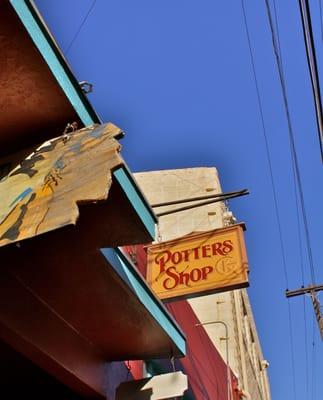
(277, 30)
(298, 222)
(293, 164)
(273, 187)
(306, 351)
(292, 347)
(266, 143)
(80, 27)
(313, 360)
(321, 19)
(277, 53)
(312, 64)
(292, 142)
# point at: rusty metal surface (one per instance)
(42, 193)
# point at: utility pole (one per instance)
(312, 291)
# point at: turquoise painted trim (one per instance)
(134, 280)
(138, 202)
(51, 59)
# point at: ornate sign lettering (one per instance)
(201, 263)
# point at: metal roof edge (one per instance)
(156, 308)
(126, 180)
(39, 33)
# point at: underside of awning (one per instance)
(39, 94)
(69, 307)
(69, 302)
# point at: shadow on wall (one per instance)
(116, 372)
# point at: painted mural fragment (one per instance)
(42, 192)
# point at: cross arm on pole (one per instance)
(312, 290)
(303, 290)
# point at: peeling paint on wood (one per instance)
(42, 193)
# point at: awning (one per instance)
(64, 303)
(70, 308)
(45, 190)
(39, 94)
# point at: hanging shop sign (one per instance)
(197, 264)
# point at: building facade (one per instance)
(230, 309)
(209, 376)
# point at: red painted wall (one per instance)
(206, 370)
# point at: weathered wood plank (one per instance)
(42, 193)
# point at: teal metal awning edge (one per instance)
(136, 198)
(55, 60)
(47, 47)
(128, 273)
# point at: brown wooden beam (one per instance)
(303, 290)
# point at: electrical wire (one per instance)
(273, 187)
(298, 222)
(312, 65)
(293, 149)
(277, 31)
(313, 360)
(293, 164)
(80, 27)
(292, 142)
(274, 193)
(292, 347)
(306, 351)
(297, 173)
(298, 178)
(321, 19)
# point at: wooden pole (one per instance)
(312, 290)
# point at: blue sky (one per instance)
(177, 77)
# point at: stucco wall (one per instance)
(233, 308)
